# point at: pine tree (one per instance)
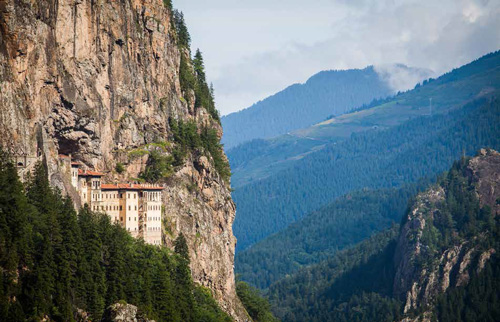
(181, 247)
(183, 280)
(183, 37)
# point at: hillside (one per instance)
(60, 265)
(441, 263)
(327, 93)
(411, 145)
(347, 221)
(113, 87)
(259, 159)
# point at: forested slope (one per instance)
(343, 223)
(442, 262)
(59, 265)
(300, 105)
(420, 147)
(260, 159)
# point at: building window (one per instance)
(135, 195)
(128, 195)
(129, 208)
(121, 218)
(135, 207)
(121, 208)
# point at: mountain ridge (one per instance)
(463, 119)
(446, 245)
(303, 104)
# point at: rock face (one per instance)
(123, 312)
(99, 80)
(421, 274)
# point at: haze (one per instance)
(253, 49)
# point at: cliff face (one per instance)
(100, 80)
(423, 271)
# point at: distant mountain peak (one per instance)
(400, 77)
(301, 105)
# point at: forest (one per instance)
(356, 284)
(350, 219)
(418, 149)
(57, 263)
(301, 105)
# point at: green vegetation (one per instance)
(343, 223)
(356, 284)
(187, 139)
(183, 36)
(137, 153)
(302, 105)
(353, 285)
(120, 168)
(159, 166)
(192, 71)
(477, 301)
(257, 307)
(54, 262)
(383, 146)
(204, 93)
(186, 77)
(420, 148)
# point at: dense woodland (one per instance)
(419, 148)
(187, 140)
(356, 284)
(301, 105)
(343, 223)
(56, 262)
(257, 306)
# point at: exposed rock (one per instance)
(123, 312)
(98, 79)
(484, 173)
(422, 273)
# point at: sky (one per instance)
(255, 48)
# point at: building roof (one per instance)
(130, 186)
(89, 173)
(76, 163)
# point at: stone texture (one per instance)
(98, 79)
(123, 312)
(418, 285)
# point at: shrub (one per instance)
(119, 167)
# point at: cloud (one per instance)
(401, 77)
(258, 49)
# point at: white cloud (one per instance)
(255, 48)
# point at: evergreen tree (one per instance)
(183, 37)
(181, 247)
(54, 263)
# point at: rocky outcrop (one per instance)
(423, 272)
(123, 312)
(483, 172)
(99, 80)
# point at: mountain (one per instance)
(395, 143)
(441, 263)
(114, 87)
(327, 93)
(348, 220)
(62, 265)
